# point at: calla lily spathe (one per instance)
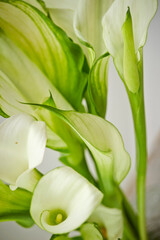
(22, 146)
(82, 21)
(63, 200)
(125, 27)
(109, 218)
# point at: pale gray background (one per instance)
(118, 113)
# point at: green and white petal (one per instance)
(141, 13)
(98, 86)
(22, 146)
(36, 59)
(83, 21)
(39, 4)
(101, 137)
(88, 27)
(109, 218)
(46, 45)
(90, 231)
(63, 200)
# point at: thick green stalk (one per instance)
(138, 112)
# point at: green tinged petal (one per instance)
(109, 218)
(36, 59)
(83, 21)
(90, 231)
(101, 137)
(98, 86)
(14, 205)
(88, 28)
(119, 40)
(47, 46)
(130, 68)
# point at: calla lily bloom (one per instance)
(82, 21)
(109, 218)
(22, 146)
(125, 27)
(63, 200)
(37, 60)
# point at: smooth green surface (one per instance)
(14, 205)
(90, 231)
(130, 64)
(138, 111)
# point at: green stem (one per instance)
(138, 112)
(128, 233)
(129, 213)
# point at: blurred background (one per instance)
(118, 112)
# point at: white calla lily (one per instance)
(22, 146)
(82, 21)
(63, 200)
(125, 33)
(109, 218)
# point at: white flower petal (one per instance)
(22, 145)
(63, 192)
(88, 27)
(81, 19)
(61, 4)
(111, 219)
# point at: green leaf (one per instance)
(109, 218)
(55, 237)
(98, 86)
(27, 222)
(130, 68)
(90, 231)
(119, 40)
(15, 205)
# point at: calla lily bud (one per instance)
(63, 200)
(22, 146)
(125, 27)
